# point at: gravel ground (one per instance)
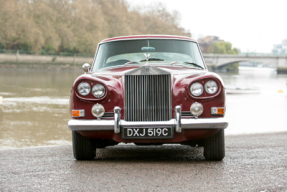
(252, 163)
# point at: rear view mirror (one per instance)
(147, 49)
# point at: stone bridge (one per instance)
(220, 61)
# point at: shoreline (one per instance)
(42, 59)
(71, 66)
(39, 66)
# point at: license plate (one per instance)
(147, 133)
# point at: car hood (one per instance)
(173, 70)
(180, 74)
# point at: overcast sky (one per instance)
(250, 25)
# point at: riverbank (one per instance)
(252, 163)
(19, 59)
(61, 62)
(36, 66)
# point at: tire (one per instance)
(214, 147)
(83, 148)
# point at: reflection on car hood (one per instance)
(173, 70)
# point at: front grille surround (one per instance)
(147, 97)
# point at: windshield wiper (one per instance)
(131, 62)
(152, 59)
(194, 64)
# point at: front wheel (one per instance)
(214, 147)
(83, 148)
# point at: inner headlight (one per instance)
(211, 87)
(98, 90)
(84, 88)
(196, 89)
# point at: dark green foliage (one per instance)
(222, 47)
(233, 67)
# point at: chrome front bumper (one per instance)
(117, 123)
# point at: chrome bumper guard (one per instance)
(178, 123)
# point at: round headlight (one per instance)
(84, 88)
(196, 109)
(196, 89)
(98, 110)
(211, 87)
(98, 90)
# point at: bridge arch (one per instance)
(224, 65)
(218, 60)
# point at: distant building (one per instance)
(186, 32)
(205, 42)
(280, 49)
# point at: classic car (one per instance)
(148, 90)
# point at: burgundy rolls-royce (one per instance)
(148, 90)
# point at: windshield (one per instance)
(160, 51)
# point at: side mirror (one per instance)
(86, 67)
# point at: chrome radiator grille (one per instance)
(147, 98)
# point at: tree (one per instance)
(222, 47)
(18, 30)
(77, 25)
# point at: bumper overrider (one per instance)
(178, 123)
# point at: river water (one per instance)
(34, 110)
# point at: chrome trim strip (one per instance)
(125, 38)
(117, 124)
(206, 123)
(90, 125)
(105, 125)
(177, 114)
(146, 123)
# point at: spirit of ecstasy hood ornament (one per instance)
(147, 57)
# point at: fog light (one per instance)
(217, 110)
(196, 109)
(98, 110)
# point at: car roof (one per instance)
(120, 38)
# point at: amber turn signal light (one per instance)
(217, 110)
(78, 113)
